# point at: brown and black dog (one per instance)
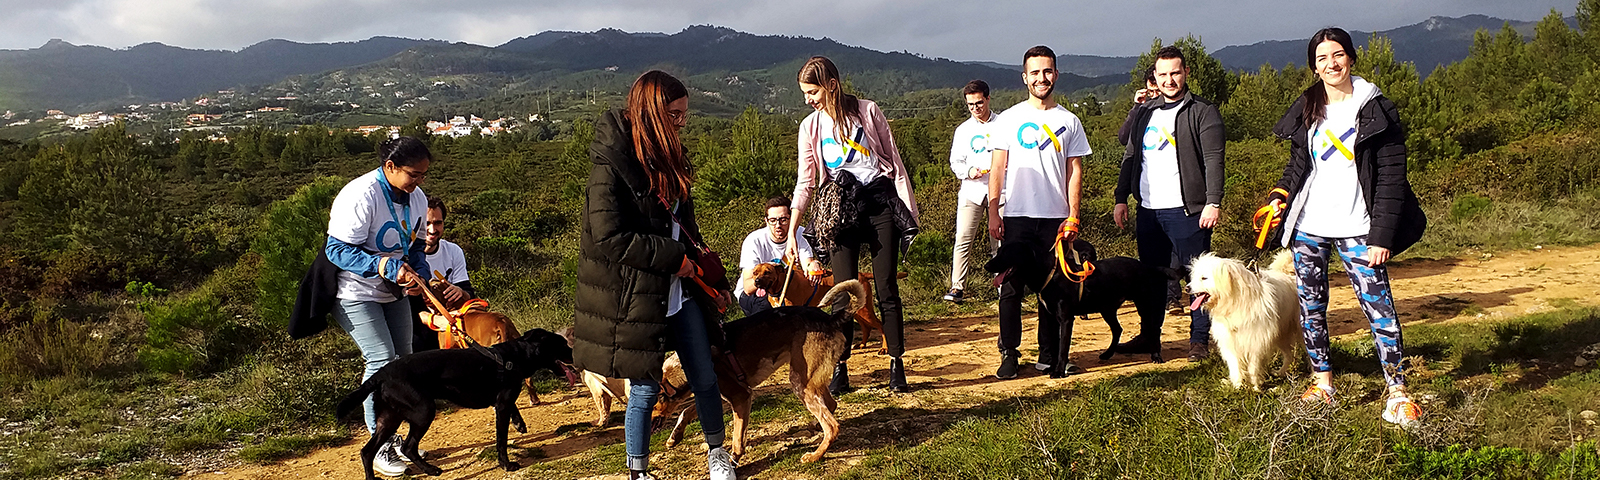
(485, 327)
(806, 339)
(801, 292)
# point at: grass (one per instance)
(1501, 401)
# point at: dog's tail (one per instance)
(853, 288)
(1283, 262)
(353, 401)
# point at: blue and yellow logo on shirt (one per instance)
(1324, 144)
(1156, 138)
(836, 155)
(1029, 136)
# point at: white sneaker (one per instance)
(721, 464)
(396, 441)
(388, 464)
(1043, 367)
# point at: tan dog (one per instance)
(802, 292)
(806, 339)
(603, 390)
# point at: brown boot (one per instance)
(1198, 351)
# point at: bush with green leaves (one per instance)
(287, 241)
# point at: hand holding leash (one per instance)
(1269, 217)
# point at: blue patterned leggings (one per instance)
(1371, 284)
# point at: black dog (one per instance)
(1115, 280)
(405, 390)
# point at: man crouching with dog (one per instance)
(766, 245)
(642, 287)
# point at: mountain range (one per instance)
(742, 67)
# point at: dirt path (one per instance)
(951, 366)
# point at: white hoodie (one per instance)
(1331, 201)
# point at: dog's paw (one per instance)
(671, 442)
(510, 466)
(431, 470)
(810, 457)
(1156, 358)
(1107, 355)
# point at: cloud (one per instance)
(962, 30)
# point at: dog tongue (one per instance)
(1199, 299)
(761, 292)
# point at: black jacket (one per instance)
(318, 295)
(1396, 215)
(626, 262)
(1201, 147)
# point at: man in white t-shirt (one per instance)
(970, 157)
(1173, 166)
(446, 259)
(1037, 176)
(766, 245)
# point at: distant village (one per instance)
(457, 126)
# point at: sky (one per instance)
(954, 29)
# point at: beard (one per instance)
(1046, 93)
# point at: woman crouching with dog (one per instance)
(373, 232)
(1347, 191)
(638, 291)
(864, 199)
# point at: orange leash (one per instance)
(1071, 225)
(1268, 217)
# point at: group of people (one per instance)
(647, 284)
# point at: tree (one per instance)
(1207, 77)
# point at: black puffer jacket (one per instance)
(1396, 215)
(626, 262)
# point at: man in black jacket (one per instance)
(1174, 170)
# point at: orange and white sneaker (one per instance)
(1401, 411)
(1318, 393)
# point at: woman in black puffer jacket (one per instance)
(1346, 190)
(636, 296)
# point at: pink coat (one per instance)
(812, 171)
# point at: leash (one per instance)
(454, 318)
(788, 274)
(1268, 217)
(1071, 225)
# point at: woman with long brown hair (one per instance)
(638, 295)
(864, 199)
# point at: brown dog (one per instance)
(801, 292)
(485, 327)
(806, 339)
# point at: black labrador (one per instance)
(1114, 281)
(405, 390)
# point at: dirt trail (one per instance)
(950, 364)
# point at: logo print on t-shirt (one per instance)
(836, 155)
(979, 143)
(1325, 144)
(1037, 141)
(1156, 138)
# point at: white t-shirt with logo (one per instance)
(1332, 203)
(449, 261)
(1159, 184)
(970, 149)
(853, 154)
(759, 248)
(364, 216)
(1038, 144)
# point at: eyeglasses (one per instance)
(977, 103)
(415, 174)
(777, 220)
(678, 117)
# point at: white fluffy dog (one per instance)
(1251, 314)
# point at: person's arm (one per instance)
(352, 258)
(747, 281)
(887, 148)
(958, 157)
(997, 182)
(1213, 151)
(1389, 186)
(805, 176)
(1074, 185)
(613, 241)
(1125, 134)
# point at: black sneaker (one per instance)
(1069, 369)
(954, 296)
(897, 376)
(1008, 365)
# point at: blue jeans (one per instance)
(1163, 233)
(381, 330)
(693, 344)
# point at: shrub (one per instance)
(180, 333)
(53, 347)
(287, 241)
